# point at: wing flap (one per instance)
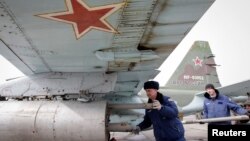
(14, 59)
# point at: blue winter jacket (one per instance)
(166, 124)
(220, 107)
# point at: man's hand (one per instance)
(136, 130)
(156, 105)
(248, 114)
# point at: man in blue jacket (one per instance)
(163, 116)
(219, 105)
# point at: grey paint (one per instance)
(52, 121)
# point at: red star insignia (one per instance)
(197, 61)
(84, 18)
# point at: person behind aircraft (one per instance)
(219, 105)
(247, 105)
(163, 116)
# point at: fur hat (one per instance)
(209, 86)
(151, 85)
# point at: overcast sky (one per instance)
(225, 26)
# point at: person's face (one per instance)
(248, 107)
(211, 92)
(151, 93)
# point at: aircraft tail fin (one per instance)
(196, 69)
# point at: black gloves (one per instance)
(202, 122)
(136, 130)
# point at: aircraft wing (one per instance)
(132, 37)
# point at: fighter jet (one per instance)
(80, 58)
